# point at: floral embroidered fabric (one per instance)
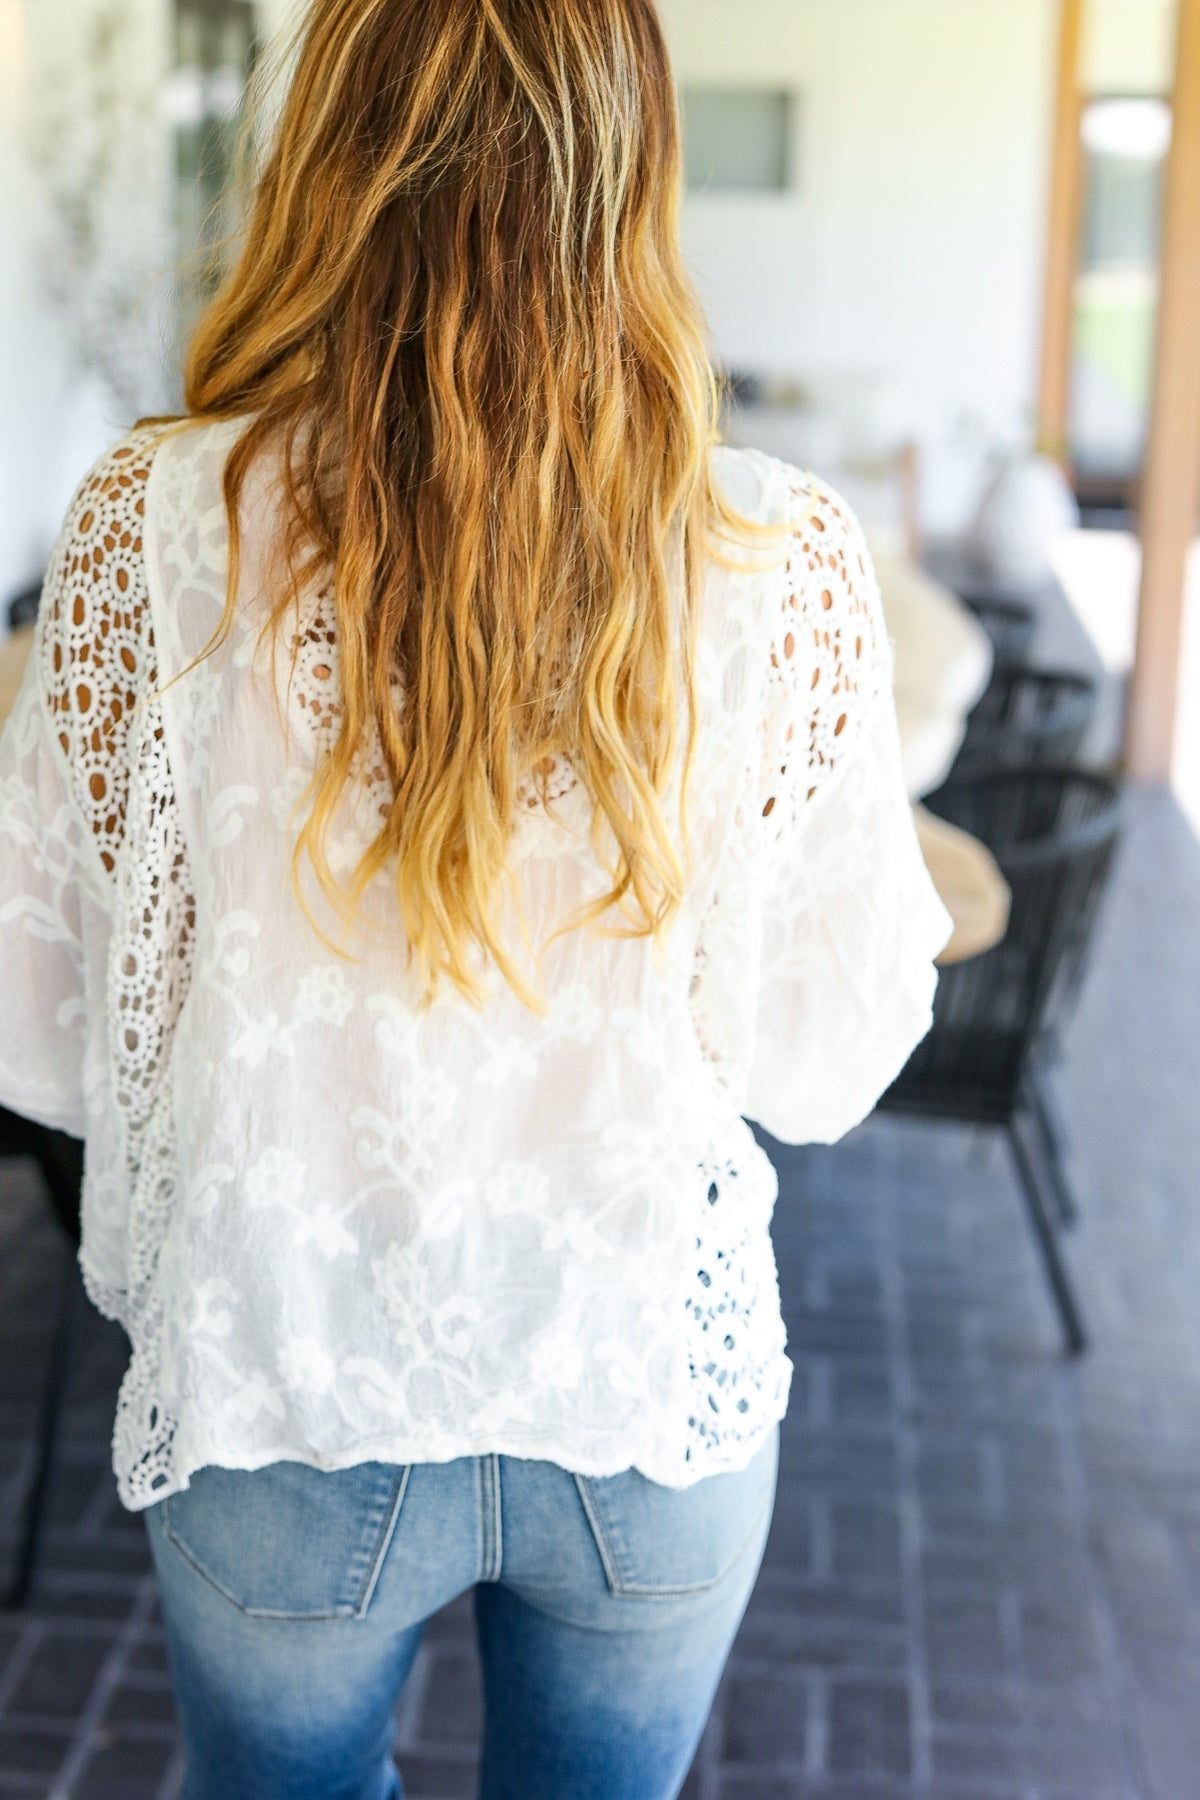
(338, 1227)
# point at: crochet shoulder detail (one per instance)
(95, 634)
(830, 655)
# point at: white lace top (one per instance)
(338, 1228)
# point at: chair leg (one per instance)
(1034, 1183)
(60, 1160)
(32, 1512)
(1045, 1115)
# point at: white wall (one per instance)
(1129, 46)
(278, 16)
(915, 242)
(914, 246)
(29, 380)
(55, 419)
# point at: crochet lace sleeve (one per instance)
(50, 903)
(77, 860)
(851, 920)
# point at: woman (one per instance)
(450, 793)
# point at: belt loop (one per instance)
(498, 1523)
(487, 1490)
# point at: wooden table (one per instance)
(943, 664)
(973, 890)
(14, 654)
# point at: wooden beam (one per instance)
(1171, 480)
(1062, 234)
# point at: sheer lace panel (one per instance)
(827, 658)
(99, 671)
(830, 654)
(315, 709)
(314, 676)
(734, 1338)
(97, 647)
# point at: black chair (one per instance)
(23, 607)
(1053, 833)
(60, 1161)
(1033, 718)
(1028, 718)
(1009, 623)
(1048, 1051)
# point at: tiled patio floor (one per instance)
(984, 1574)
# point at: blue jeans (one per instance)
(294, 1602)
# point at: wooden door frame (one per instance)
(1170, 494)
(1063, 229)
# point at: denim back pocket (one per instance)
(657, 1541)
(288, 1541)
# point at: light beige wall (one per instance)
(915, 242)
(276, 17)
(913, 246)
(26, 349)
(1129, 46)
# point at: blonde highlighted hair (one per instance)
(461, 314)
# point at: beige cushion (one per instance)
(969, 883)
(943, 663)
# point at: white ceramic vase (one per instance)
(1025, 508)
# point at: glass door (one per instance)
(1126, 141)
(214, 52)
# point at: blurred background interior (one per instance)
(950, 251)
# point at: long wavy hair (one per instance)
(461, 311)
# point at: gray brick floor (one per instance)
(983, 1581)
